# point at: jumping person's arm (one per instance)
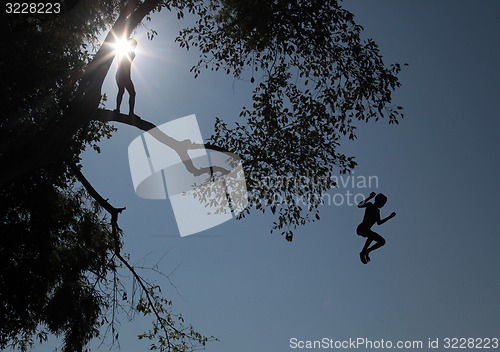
(380, 222)
(362, 204)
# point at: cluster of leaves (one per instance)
(51, 238)
(40, 75)
(177, 339)
(60, 272)
(317, 77)
(54, 248)
(57, 249)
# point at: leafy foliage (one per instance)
(53, 248)
(57, 249)
(41, 72)
(183, 339)
(314, 79)
(317, 77)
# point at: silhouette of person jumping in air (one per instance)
(372, 216)
(123, 78)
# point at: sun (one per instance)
(123, 46)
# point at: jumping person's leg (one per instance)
(364, 232)
(365, 258)
(379, 242)
(371, 236)
(367, 244)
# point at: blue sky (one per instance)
(436, 277)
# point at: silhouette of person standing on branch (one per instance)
(123, 75)
(372, 216)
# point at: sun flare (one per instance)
(123, 46)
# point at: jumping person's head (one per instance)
(380, 200)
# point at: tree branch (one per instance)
(180, 147)
(114, 212)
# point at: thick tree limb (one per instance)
(180, 147)
(114, 212)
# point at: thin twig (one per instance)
(114, 212)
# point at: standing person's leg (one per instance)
(131, 101)
(119, 96)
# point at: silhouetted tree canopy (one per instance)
(314, 79)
